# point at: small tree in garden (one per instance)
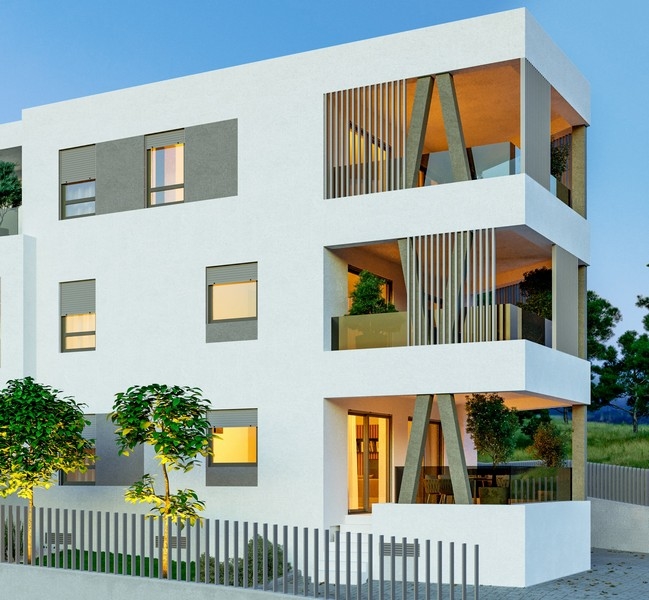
(367, 297)
(10, 188)
(549, 445)
(40, 433)
(173, 420)
(492, 426)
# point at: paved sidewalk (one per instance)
(619, 575)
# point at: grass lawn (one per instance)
(96, 562)
(607, 443)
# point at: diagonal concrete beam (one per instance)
(416, 447)
(454, 449)
(453, 127)
(417, 129)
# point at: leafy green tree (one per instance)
(549, 445)
(602, 317)
(173, 420)
(492, 426)
(40, 433)
(367, 296)
(624, 373)
(536, 289)
(10, 188)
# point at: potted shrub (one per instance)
(558, 164)
(492, 427)
(10, 191)
(367, 299)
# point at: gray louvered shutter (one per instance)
(244, 417)
(77, 297)
(166, 138)
(90, 431)
(232, 273)
(78, 164)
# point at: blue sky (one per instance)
(53, 51)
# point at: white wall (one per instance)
(520, 544)
(620, 526)
(22, 582)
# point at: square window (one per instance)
(86, 477)
(237, 300)
(234, 445)
(233, 458)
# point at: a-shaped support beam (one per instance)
(417, 129)
(453, 127)
(454, 449)
(415, 451)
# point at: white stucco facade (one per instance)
(149, 265)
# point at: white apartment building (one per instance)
(208, 230)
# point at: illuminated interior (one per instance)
(236, 300)
(79, 332)
(86, 477)
(166, 174)
(368, 453)
(234, 445)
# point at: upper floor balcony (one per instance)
(492, 121)
(486, 285)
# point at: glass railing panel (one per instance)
(560, 190)
(496, 160)
(490, 160)
(9, 224)
(353, 332)
(438, 169)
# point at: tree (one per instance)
(492, 426)
(625, 374)
(549, 445)
(173, 420)
(40, 433)
(367, 297)
(602, 317)
(536, 289)
(10, 188)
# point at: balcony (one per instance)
(480, 324)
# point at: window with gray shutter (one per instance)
(77, 174)
(233, 461)
(232, 302)
(77, 309)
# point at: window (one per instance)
(88, 476)
(232, 302)
(77, 171)
(234, 448)
(77, 303)
(166, 167)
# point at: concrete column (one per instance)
(417, 129)
(535, 124)
(582, 312)
(578, 193)
(579, 452)
(453, 127)
(416, 447)
(454, 449)
(565, 303)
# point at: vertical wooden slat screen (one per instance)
(365, 139)
(451, 283)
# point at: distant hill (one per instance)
(608, 414)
